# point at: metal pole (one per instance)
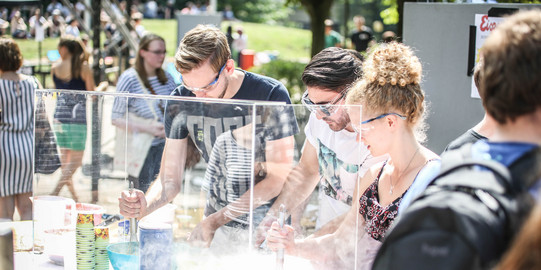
(96, 138)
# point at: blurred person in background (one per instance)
(332, 38)
(37, 23)
(240, 42)
(54, 5)
(72, 28)
(57, 24)
(363, 36)
(139, 28)
(16, 133)
(4, 25)
(72, 72)
(18, 26)
(148, 70)
(388, 36)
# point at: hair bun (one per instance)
(395, 64)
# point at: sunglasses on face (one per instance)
(207, 88)
(325, 108)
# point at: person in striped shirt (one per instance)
(147, 77)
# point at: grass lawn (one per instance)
(291, 43)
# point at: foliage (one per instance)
(288, 72)
(390, 14)
(259, 11)
(318, 10)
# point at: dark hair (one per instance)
(510, 81)
(140, 62)
(333, 68)
(11, 58)
(75, 47)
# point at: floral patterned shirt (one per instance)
(377, 218)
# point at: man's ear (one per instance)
(390, 120)
(229, 66)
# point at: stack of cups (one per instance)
(85, 239)
(102, 241)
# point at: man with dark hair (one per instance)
(331, 155)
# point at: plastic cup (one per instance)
(155, 244)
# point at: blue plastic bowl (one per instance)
(120, 256)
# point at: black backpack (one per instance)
(466, 218)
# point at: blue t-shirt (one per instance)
(204, 122)
(504, 152)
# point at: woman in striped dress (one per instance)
(147, 77)
(16, 133)
(71, 73)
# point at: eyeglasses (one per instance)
(157, 52)
(381, 116)
(207, 88)
(359, 129)
(326, 108)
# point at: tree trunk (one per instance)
(400, 24)
(319, 10)
(345, 22)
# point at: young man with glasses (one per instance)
(204, 60)
(331, 155)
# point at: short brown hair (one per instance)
(201, 44)
(11, 58)
(510, 84)
(391, 83)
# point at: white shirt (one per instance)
(342, 160)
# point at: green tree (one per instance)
(258, 11)
(318, 10)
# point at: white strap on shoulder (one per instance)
(152, 108)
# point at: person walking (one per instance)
(71, 73)
(16, 133)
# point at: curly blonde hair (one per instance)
(391, 83)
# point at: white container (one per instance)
(164, 214)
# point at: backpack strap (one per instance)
(527, 168)
(462, 157)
